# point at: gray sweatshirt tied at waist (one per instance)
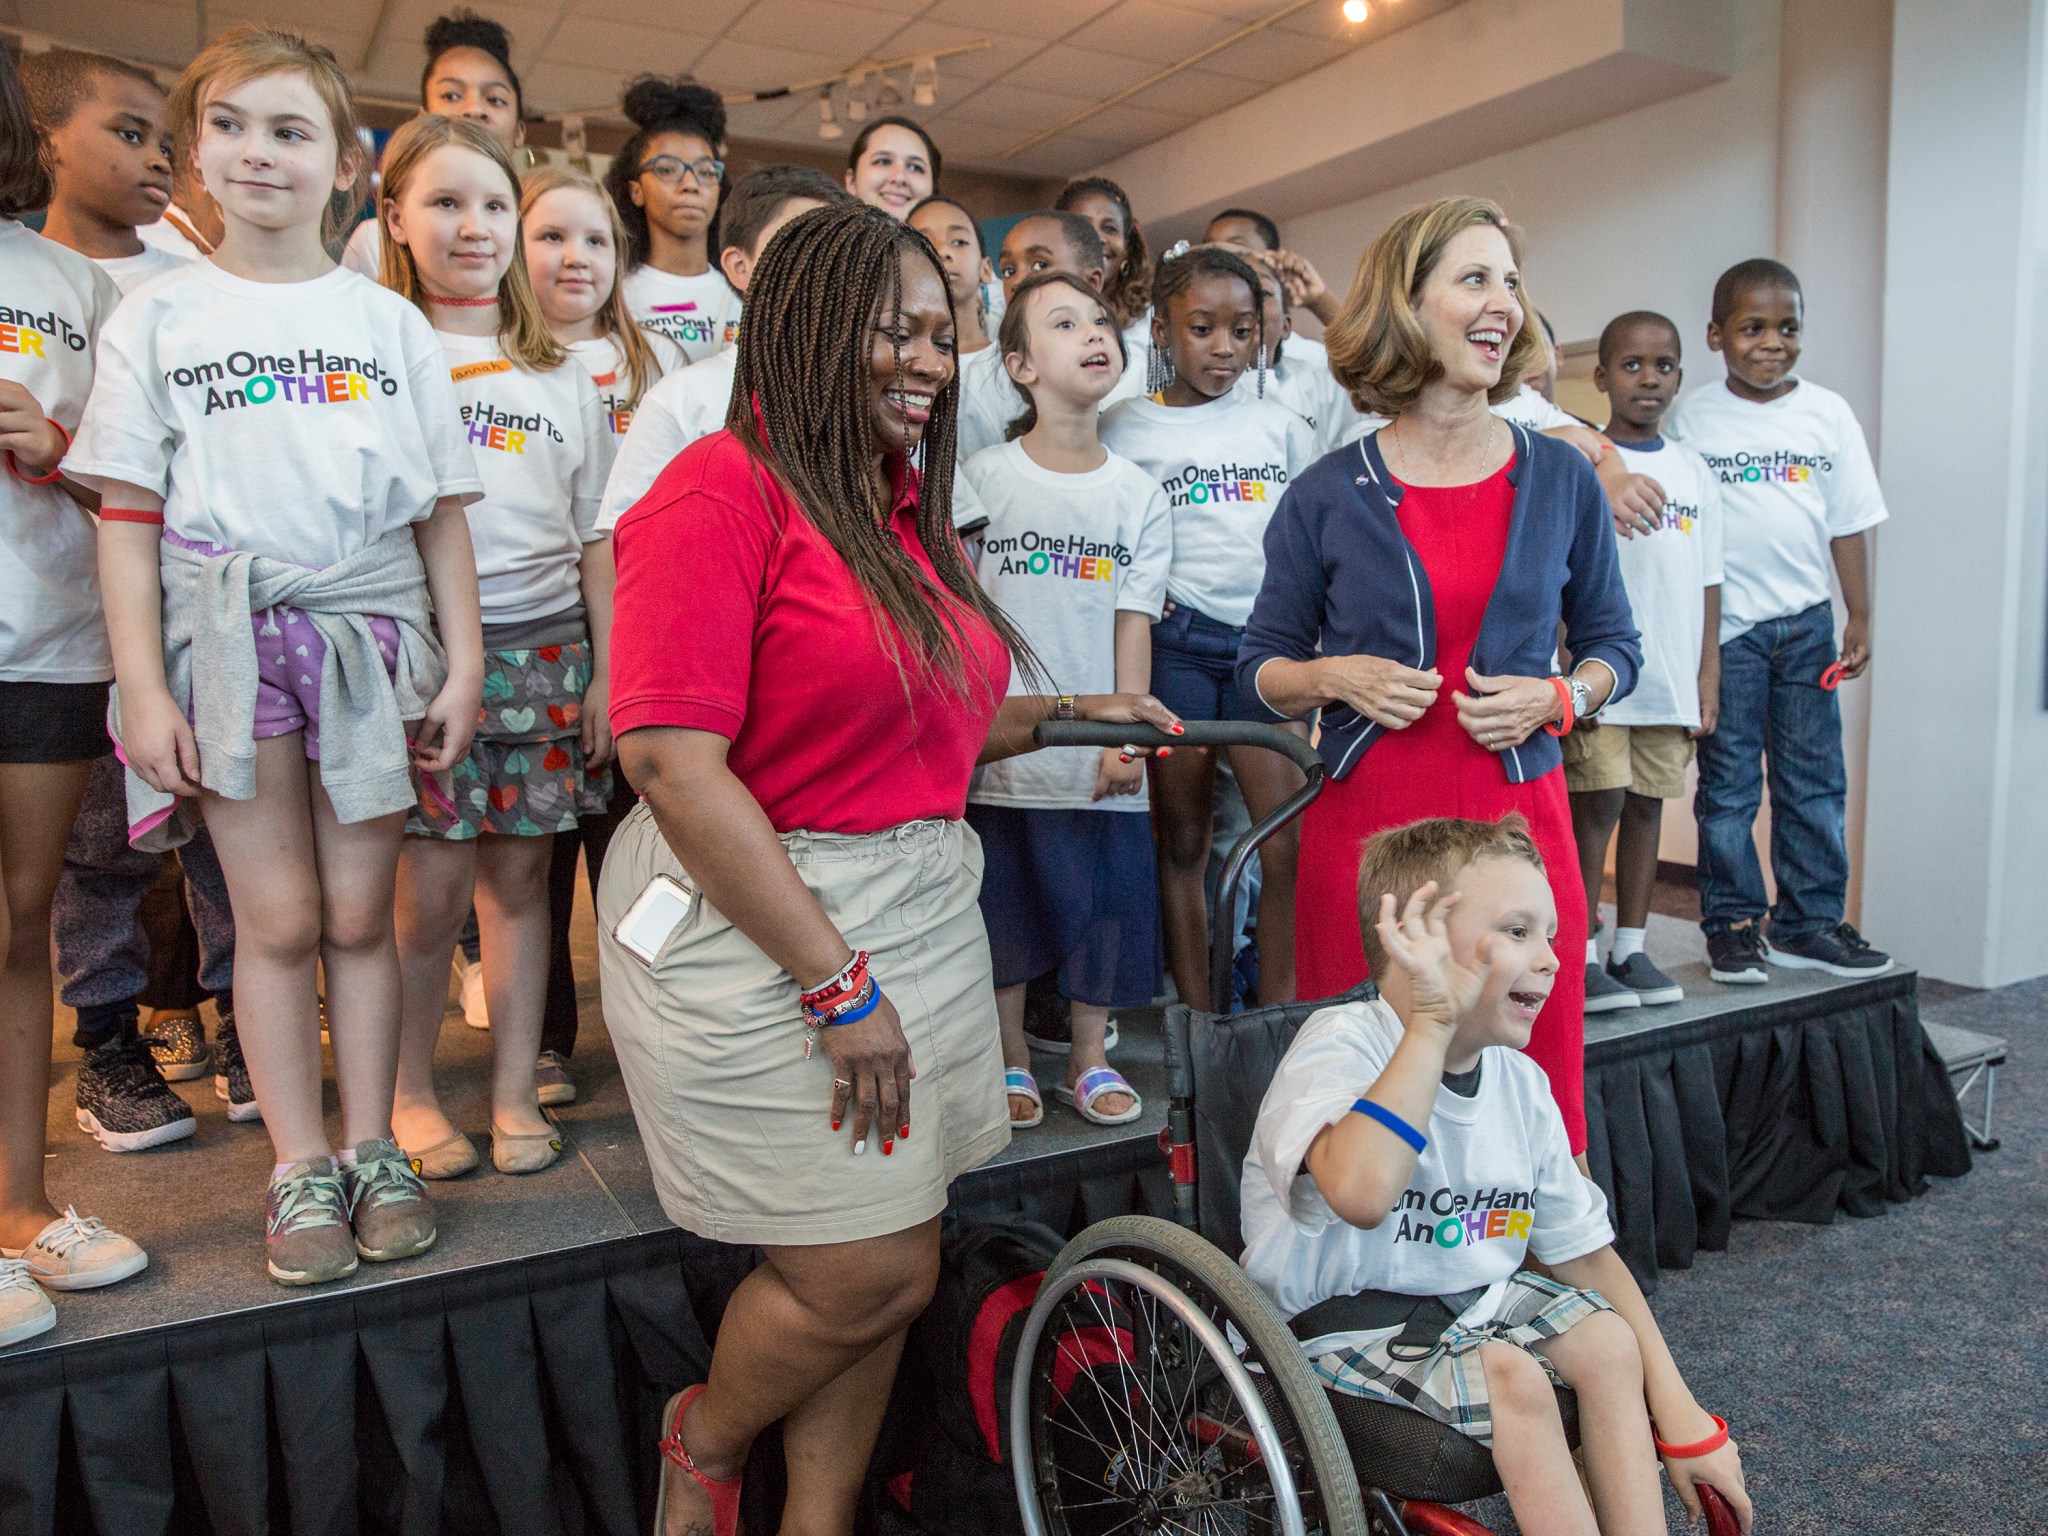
(365, 763)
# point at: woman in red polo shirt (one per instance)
(804, 674)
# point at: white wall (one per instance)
(1958, 828)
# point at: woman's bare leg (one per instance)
(38, 803)
(1187, 792)
(801, 1321)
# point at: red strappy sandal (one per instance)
(725, 1492)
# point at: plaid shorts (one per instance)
(1447, 1381)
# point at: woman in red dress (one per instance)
(1414, 587)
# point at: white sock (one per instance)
(346, 1159)
(281, 1169)
(1592, 951)
(1627, 941)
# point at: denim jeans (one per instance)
(1775, 719)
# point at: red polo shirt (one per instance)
(734, 615)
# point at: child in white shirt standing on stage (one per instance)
(1408, 1159)
(54, 666)
(1127, 274)
(1075, 549)
(1223, 459)
(572, 238)
(692, 402)
(988, 400)
(667, 181)
(282, 474)
(450, 205)
(1800, 494)
(1624, 763)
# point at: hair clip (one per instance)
(1179, 249)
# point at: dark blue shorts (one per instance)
(1194, 666)
(1074, 892)
(53, 722)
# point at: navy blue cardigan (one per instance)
(1343, 580)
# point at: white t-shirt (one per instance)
(1063, 555)
(131, 272)
(53, 303)
(163, 235)
(700, 314)
(1667, 574)
(1223, 466)
(364, 252)
(687, 404)
(543, 448)
(1795, 474)
(989, 401)
(1496, 1181)
(1304, 384)
(607, 369)
(300, 421)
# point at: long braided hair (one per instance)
(800, 407)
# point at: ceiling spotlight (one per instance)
(1355, 11)
(924, 81)
(828, 125)
(888, 95)
(857, 92)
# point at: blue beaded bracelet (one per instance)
(1392, 1122)
(854, 1016)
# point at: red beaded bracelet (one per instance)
(1705, 1447)
(1564, 694)
(14, 468)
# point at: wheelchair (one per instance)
(1155, 1391)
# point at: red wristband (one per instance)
(1564, 694)
(1705, 1447)
(130, 515)
(56, 469)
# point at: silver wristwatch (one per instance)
(1582, 697)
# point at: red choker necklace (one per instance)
(450, 303)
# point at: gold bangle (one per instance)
(1063, 707)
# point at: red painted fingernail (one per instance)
(888, 1147)
(1166, 751)
(903, 1131)
(1123, 757)
(835, 1125)
(1179, 729)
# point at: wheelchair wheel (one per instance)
(1156, 1392)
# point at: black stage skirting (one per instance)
(523, 1397)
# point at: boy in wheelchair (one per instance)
(1408, 1158)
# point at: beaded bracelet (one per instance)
(851, 1012)
(1705, 1447)
(843, 983)
(840, 1007)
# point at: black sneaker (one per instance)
(178, 1041)
(1736, 956)
(1840, 951)
(123, 1101)
(231, 1073)
(1604, 994)
(1650, 985)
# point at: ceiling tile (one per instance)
(821, 26)
(1003, 52)
(552, 86)
(733, 66)
(1063, 157)
(1273, 56)
(1197, 92)
(1133, 125)
(1044, 19)
(624, 49)
(707, 16)
(1010, 106)
(1147, 29)
(1079, 71)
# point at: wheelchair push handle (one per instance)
(1195, 733)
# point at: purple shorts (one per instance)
(289, 653)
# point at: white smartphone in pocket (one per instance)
(655, 914)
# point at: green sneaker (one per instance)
(308, 1239)
(387, 1203)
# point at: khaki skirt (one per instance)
(710, 1040)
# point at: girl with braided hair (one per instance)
(1223, 458)
(795, 970)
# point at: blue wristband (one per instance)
(857, 1014)
(1392, 1122)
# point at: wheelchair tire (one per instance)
(1157, 1279)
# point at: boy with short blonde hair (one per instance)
(1408, 1160)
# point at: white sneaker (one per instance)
(77, 1253)
(470, 974)
(24, 1310)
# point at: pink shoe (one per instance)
(725, 1492)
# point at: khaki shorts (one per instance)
(1648, 760)
(710, 1040)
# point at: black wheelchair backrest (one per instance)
(1224, 1065)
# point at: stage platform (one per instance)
(147, 1407)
